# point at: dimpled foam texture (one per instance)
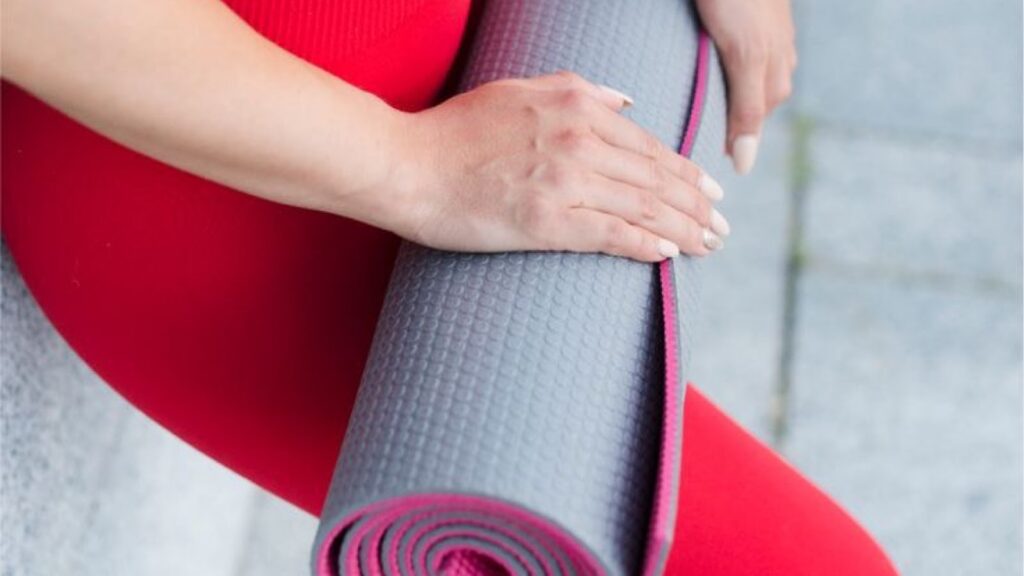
(523, 393)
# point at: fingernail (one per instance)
(626, 100)
(712, 241)
(744, 152)
(667, 249)
(719, 224)
(711, 188)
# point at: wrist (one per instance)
(381, 172)
(400, 202)
(412, 174)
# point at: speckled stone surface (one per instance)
(918, 68)
(910, 209)
(907, 408)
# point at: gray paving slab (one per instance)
(893, 208)
(169, 509)
(735, 356)
(943, 67)
(279, 541)
(58, 421)
(906, 406)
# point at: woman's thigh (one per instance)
(743, 510)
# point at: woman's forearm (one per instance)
(189, 83)
(544, 163)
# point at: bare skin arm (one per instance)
(189, 83)
(543, 163)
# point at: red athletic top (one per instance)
(240, 325)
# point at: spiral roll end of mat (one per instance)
(454, 534)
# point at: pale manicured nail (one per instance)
(712, 241)
(719, 224)
(667, 249)
(626, 100)
(744, 152)
(711, 188)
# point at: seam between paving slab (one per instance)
(798, 171)
(960, 145)
(986, 285)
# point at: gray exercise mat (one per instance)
(511, 418)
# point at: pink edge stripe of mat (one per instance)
(699, 92)
(666, 491)
(396, 508)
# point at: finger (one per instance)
(648, 174)
(625, 134)
(570, 81)
(641, 208)
(589, 231)
(746, 75)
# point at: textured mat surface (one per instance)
(511, 417)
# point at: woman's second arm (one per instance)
(544, 163)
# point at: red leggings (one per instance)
(238, 325)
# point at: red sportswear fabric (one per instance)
(743, 510)
(243, 326)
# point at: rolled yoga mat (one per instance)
(522, 413)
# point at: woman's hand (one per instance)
(757, 43)
(548, 163)
(538, 164)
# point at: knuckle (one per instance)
(776, 97)
(618, 237)
(575, 100)
(650, 146)
(749, 114)
(700, 209)
(657, 178)
(748, 52)
(575, 142)
(785, 90)
(647, 206)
